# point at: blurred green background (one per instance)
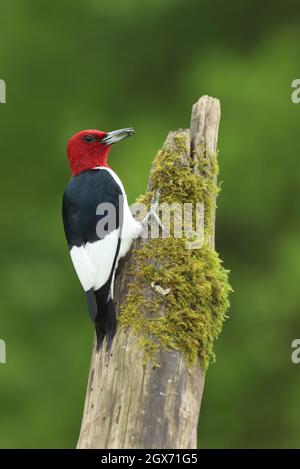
(108, 64)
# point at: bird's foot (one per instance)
(152, 214)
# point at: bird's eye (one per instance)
(88, 138)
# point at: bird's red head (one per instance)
(90, 148)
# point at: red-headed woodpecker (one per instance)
(95, 187)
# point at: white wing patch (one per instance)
(83, 267)
(93, 261)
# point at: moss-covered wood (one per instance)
(190, 315)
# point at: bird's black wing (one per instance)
(81, 199)
(93, 254)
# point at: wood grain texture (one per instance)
(130, 404)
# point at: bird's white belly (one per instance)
(130, 231)
(131, 228)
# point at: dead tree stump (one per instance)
(130, 402)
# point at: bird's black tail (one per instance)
(101, 306)
(103, 314)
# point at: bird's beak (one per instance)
(117, 135)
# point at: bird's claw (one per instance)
(152, 214)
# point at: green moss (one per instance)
(189, 315)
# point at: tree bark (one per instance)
(129, 402)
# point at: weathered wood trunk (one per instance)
(133, 404)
